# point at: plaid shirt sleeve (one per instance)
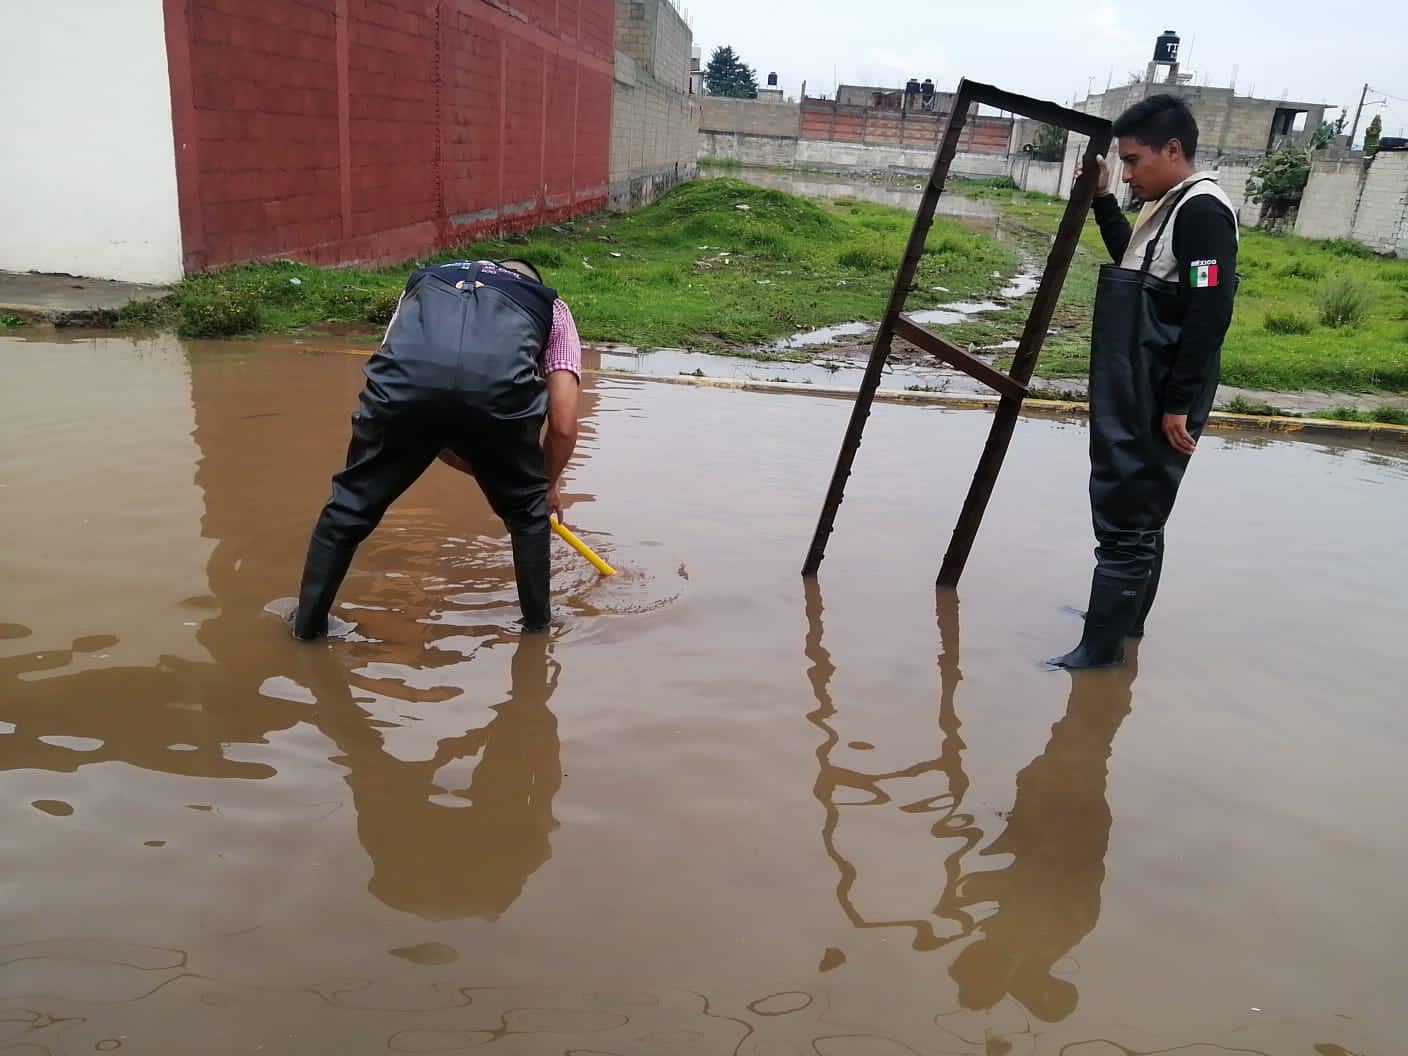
(564, 348)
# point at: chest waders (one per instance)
(1134, 471)
(458, 369)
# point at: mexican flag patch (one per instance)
(1203, 274)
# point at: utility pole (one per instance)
(1358, 111)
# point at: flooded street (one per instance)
(718, 810)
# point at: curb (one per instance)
(1306, 427)
(91, 318)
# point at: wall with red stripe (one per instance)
(374, 130)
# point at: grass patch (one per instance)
(1281, 274)
(1241, 405)
(1301, 269)
(1277, 322)
(1382, 415)
(10, 322)
(698, 271)
(1057, 395)
(1344, 300)
(864, 257)
(1347, 247)
(720, 164)
(715, 264)
(977, 185)
(283, 295)
(725, 266)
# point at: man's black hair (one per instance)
(523, 264)
(1159, 119)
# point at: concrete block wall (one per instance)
(1330, 200)
(656, 36)
(1381, 222)
(654, 142)
(1352, 199)
(822, 119)
(1043, 177)
(376, 130)
(674, 41)
(767, 151)
(654, 119)
(750, 117)
(1075, 150)
(1232, 176)
(1227, 123)
(1024, 131)
(831, 156)
(635, 31)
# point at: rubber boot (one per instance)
(1151, 587)
(323, 572)
(1113, 605)
(532, 568)
(1146, 596)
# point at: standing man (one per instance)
(1160, 317)
(477, 357)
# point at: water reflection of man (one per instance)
(432, 856)
(175, 717)
(837, 785)
(1048, 896)
(1047, 899)
(429, 858)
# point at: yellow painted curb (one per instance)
(1041, 408)
(1045, 408)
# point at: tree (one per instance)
(1328, 132)
(1049, 143)
(1279, 180)
(726, 75)
(1371, 136)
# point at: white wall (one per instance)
(1043, 177)
(1232, 174)
(827, 153)
(1331, 197)
(88, 178)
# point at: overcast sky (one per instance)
(1321, 52)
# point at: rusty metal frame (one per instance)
(1012, 388)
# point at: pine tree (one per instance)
(1050, 143)
(726, 75)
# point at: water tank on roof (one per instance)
(928, 88)
(772, 80)
(1166, 50)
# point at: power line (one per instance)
(1390, 95)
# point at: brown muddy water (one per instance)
(716, 812)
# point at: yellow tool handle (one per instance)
(582, 548)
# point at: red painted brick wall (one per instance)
(823, 119)
(374, 130)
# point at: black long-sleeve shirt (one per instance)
(1204, 232)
